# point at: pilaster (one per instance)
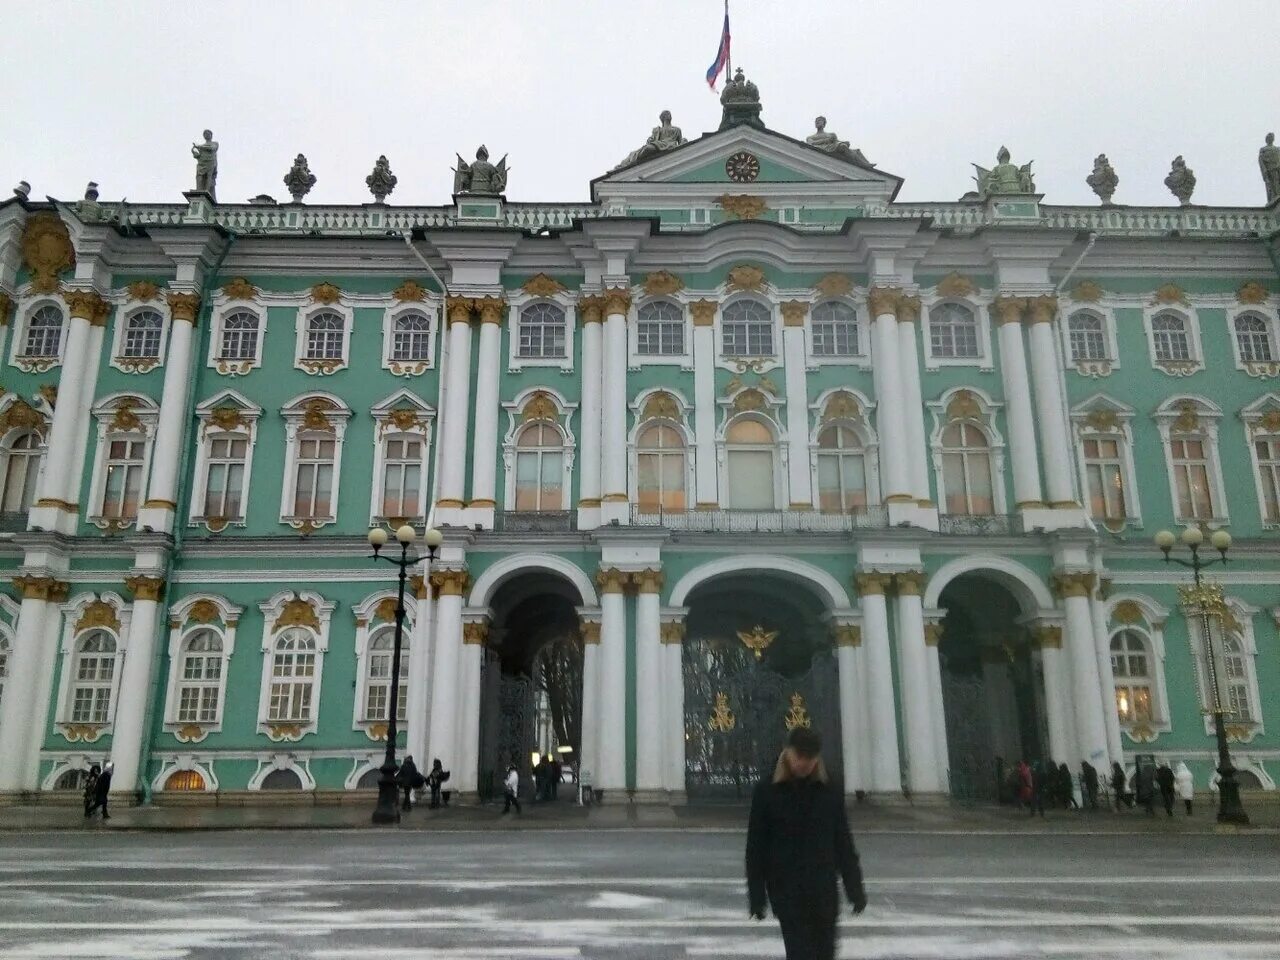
(591, 315)
(884, 773)
(704, 402)
(795, 315)
(614, 498)
(484, 460)
(456, 415)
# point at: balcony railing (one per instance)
(13, 522)
(535, 521)
(969, 525)
(760, 521)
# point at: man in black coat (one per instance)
(798, 844)
(101, 789)
(408, 779)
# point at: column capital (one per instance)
(647, 581)
(703, 312)
(847, 635)
(184, 306)
(1041, 309)
(1047, 636)
(41, 588)
(450, 583)
(87, 305)
(590, 630)
(144, 587)
(1073, 584)
(672, 633)
(794, 313)
(884, 301)
(932, 633)
(909, 583)
(475, 633)
(617, 301)
(490, 309)
(6, 308)
(590, 309)
(1009, 309)
(459, 309)
(908, 309)
(612, 580)
(872, 583)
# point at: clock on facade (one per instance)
(742, 167)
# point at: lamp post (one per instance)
(1230, 810)
(388, 809)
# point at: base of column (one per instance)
(450, 515)
(912, 514)
(588, 517)
(880, 798)
(53, 520)
(611, 510)
(1049, 519)
(155, 520)
(928, 798)
(651, 797)
(481, 515)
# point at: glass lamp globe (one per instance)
(406, 534)
(1165, 539)
(1192, 536)
(377, 538)
(1221, 540)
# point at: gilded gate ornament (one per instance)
(758, 640)
(722, 718)
(798, 715)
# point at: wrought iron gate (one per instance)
(507, 735)
(739, 711)
(969, 749)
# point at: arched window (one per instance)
(224, 479)
(540, 468)
(660, 469)
(1266, 448)
(122, 491)
(142, 335)
(966, 470)
(313, 484)
(239, 336)
(199, 685)
(1253, 339)
(835, 330)
(1131, 668)
(93, 671)
(184, 781)
(953, 332)
(659, 330)
(746, 329)
(377, 681)
(842, 471)
(1088, 337)
(4, 663)
(21, 469)
(1237, 684)
(293, 672)
(542, 331)
(325, 336)
(44, 333)
(749, 451)
(402, 476)
(411, 339)
(281, 780)
(1171, 338)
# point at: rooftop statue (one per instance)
(1004, 177)
(299, 179)
(206, 155)
(664, 137)
(382, 181)
(1181, 181)
(23, 190)
(1103, 181)
(740, 101)
(1269, 161)
(832, 144)
(89, 210)
(481, 177)
(263, 198)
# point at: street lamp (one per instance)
(388, 809)
(1230, 810)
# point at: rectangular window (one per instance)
(1191, 479)
(1268, 454)
(748, 339)
(1104, 470)
(123, 487)
(224, 481)
(313, 485)
(292, 675)
(198, 691)
(660, 481)
(835, 339)
(660, 339)
(401, 478)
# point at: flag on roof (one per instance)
(722, 54)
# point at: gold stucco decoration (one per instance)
(542, 285)
(794, 313)
(703, 312)
(1086, 291)
(749, 399)
(834, 285)
(239, 289)
(87, 305)
(745, 277)
(1252, 293)
(203, 611)
(612, 580)
(385, 610)
(475, 634)
(672, 633)
(589, 630)
(964, 406)
(325, 293)
(404, 418)
(1077, 584)
(184, 306)
(98, 613)
(315, 414)
(124, 418)
(410, 292)
(450, 583)
(757, 640)
(6, 308)
(144, 588)
(284, 731)
(540, 406)
(1169, 293)
(956, 285)
(227, 418)
(1127, 612)
(21, 415)
(50, 393)
(883, 301)
(662, 284)
(933, 634)
(41, 588)
(848, 635)
(296, 613)
(1104, 421)
(143, 290)
(1188, 420)
(842, 405)
(190, 733)
(722, 719)
(46, 251)
(741, 206)
(617, 301)
(798, 715)
(660, 405)
(590, 309)
(82, 732)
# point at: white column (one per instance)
(912, 400)
(454, 435)
(1052, 417)
(673, 707)
(853, 731)
(484, 464)
(1057, 693)
(799, 479)
(1018, 407)
(22, 716)
(890, 418)
(589, 748)
(162, 493)
(592, 431)
(651, 743)
(1091, 730)
(941, 752)
(137, 683)
(611, 696)
(466, 773)
(704, 402)
(442, 732)
(1106, 679)
(884, 773)
(915, 684)
(419, 673)
(617, 301)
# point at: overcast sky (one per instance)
(117, 91)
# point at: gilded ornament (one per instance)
(227, 418)
(87, 305)
(124, 419)
(749, 399)
(612, 580)
(1073, 584)
(475, 634)
(404, 418)
(908, 309)
(617, 301)
(190, 733)
(933, 634)
(1252, 293)
(459, 309)
(883, 301)
(909, 583)
(1269, 423)
(794, 313)
(1047, 637)
(1188, 420)
(703, 312)
(647, 581)
(590, 631)
(955, 285)
(296, 613)
(315, 414)
(1104, 421)
(377, 732)
(848, 635)
(184, 306)
(82, 732)
(662, 284)
(1127, 612)
(144, 588)
(757, 640)
(872, 583)
(490, 309)
(744, 277)
(1141, 733)
(540, 406)
(1239, 732)
(672, 633)
(325, 293)
(450, 583)
(46, 251)
(143, 290)
(1009, 309)
(964, 406)
(542, 285)
(1041, 309)
(660, 405)
(841, 405)
(385, 610)
(741, 206)
(203, 611)
(590, 309)
(722, 718)
(98, 613)
(798, 715)
(410, 292)
(1086, 291)
(20, 414)
(1169, 293)
(834, 285)
(240, 289)
(284, 731)
(40, 588)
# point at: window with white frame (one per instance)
(143, 330)
(411, 337)
(1253, 338)
(402, 473)
(746, 329)
(313, 476)
(1266, 452)
(199, 685)
(967, 473)
(1088, 336)
(749, 457)
(239, 340)
(315, 425)
(224, 482)
(842, 470)
(660, 329)
(1105, 470)
(540, 468)
(326, 335)
(661, 469)
(834, 330)
(291, 698)
(123, 475)
(4, 663)
(93, 670)
(1193, 489)
(1237, 680)
(377, 681)
(22, 468)
(953, 332)
(542, 332)
(44, 333)
(1171, 338)
(1131, 668)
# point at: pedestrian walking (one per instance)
(408, 779)
(1089, 780)
(1120, 785)
(798, 845)
(91, 788)
(557, 772)
(101, 789)
(1145, 788)
(1066, 788)
(1165, 781)
(512, 786)
(436, 779)
(1025, 786)
(1040, 784)
(1185, 784)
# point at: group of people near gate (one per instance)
(1035, 786)
(411, 781)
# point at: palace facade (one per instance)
(740, 444)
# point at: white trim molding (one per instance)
(533, 405)
(227, 413)
(979, 304)
(517, 302)
(84, 614)
(18, 356)
(759, 363)
(1146, 618)
(182, 763)
(224, 307)
(1195, 418)
(312, 413)
(191, 614)
(1100, 417)
(119, 335)
(852, 409)
(863, 321)
(1262, 369)
(373, 615)
(1191, 325)
(1262, 424)
(403, 413)
(660, 406)
(308, 613)
(636, 359)
(131, 417)
(322, 366)
(428, 309)
(975, 407)
(1095, 368)
(300, 765)
(1242, 629)
(759, 402)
